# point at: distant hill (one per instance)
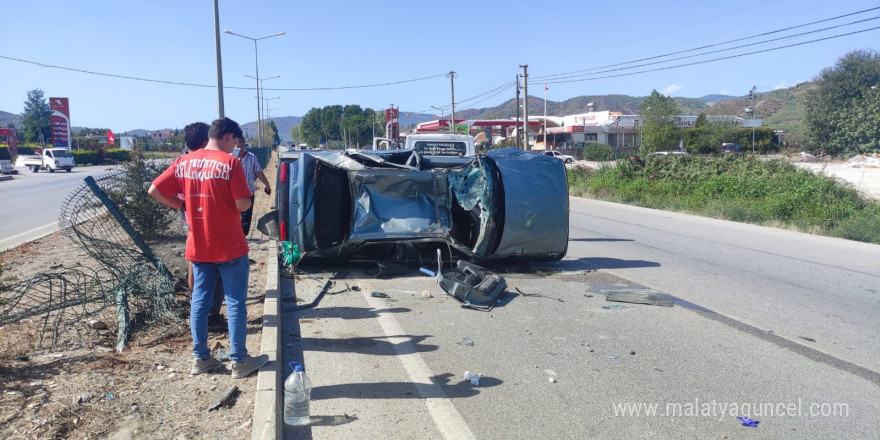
(781, 109)
(283, 123)
(7, 118)
(716, 98)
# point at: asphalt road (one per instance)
(777, 325)
(32, 202)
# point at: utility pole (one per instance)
(525, 76)
(752, 102)
(219, 61)
(451, 76)
(517, 111)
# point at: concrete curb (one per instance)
(267, 402)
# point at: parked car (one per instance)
(729, 147)
(401, 206)
(563, 157)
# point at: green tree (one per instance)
(36, 117)
(841, 112)
(296, 136)
(661, 123)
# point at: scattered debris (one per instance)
(864, 161)
(466, 341)
(748, 422)
(223, 397)
(613, 356)
(639, 296)
(615, 306)
(537, 295)
(807, 339)
(475, 379)
(426, 294)
(632, 353)
(552, 380)
(379, 295)
(473, 286)
(97, 325)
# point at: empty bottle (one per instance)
(297, 393)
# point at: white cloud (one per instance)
(782, 85)
(672, 88)
(724, 92)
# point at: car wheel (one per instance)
(568, 161)
(51, 170)
(68, 170)
(35, 169)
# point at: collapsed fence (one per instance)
(138, 245)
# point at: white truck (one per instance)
(432, 144)
(49, 159)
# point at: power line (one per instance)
(715, 51)
(716, 59)
(212, 85)
(707, 46)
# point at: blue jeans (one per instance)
(235, 281)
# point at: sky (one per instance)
(138, 64)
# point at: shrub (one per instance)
(597, 152)
(85, 157)
(117, 155)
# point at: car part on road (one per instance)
(473, 286)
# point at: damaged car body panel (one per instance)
(402, 206)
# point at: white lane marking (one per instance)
(53, 225)
(445, 415)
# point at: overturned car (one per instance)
(402, 206)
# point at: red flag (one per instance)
(110, 138)
(545, 87)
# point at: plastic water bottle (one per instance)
(297, 393)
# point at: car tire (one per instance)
(51, 170)
(69, 170)
(35, 169)
(568, 161)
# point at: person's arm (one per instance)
(243, 204)
(262, 177)
(171, 202)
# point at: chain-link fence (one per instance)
(139, 245)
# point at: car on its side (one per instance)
(405, 207)
(563, 157)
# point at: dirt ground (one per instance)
(145, 392)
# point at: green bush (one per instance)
(25, 150)
(85, 157)
(117, 155)
(735, 188)
(597, 152)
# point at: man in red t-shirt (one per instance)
(215, 194)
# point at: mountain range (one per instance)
(780, 109)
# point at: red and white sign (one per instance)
(111, 140)
(60, 122)
(392, 122)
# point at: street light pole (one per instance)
(257, 68)
(441, 116)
